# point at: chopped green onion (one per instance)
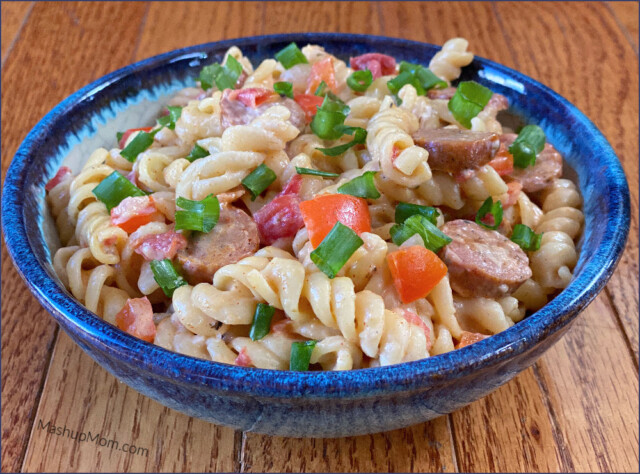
(434, 239)
(284, 88)
(404, 210)
(171, 118)
(140, 143)
(197, 215)
(493, 208)
(428, 80)
(398, 82)
(197, 152)
(261, 321)
(224, 77)
(119, 136)
(335, 249)
(526, 238)
(114, 188)
(208, 75)
(329, 118)
(312, 172)
(166, 276)
(290, 56)
(359, 137)
(301, 355)
(360, 81)
(321, 89)
(529, 143)
(259, 180)
(468, 101)
(362, 186)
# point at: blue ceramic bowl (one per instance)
(289, 403)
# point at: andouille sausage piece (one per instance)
(453, 150)
(234, 237)
(235, 112)
(547, 169)
(483, 262)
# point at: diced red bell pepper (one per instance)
(309, 103)
(133, 212)
(160, 246)
(136, 318)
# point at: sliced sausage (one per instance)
(234, 237)
(454, 150)
(547, 169)
(235, 112)
(483, 262)
(443, 94)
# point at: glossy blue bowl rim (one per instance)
(493, 351)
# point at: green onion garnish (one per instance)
(261, 321)
(493, 208)
(166, 276)
(119, 136)
(284, 88)
(329, 117)
(259, 180)
(208, 75)
(360, 81)
(196, 152)
(140, 143)
(114, 188)
(529, 143)
(312, 172)
(468, 101)
(404, 210)
(362, 186)
(359, 137)
(224, 77)
(171, 118)
(434, 239)
(335, 249)
(321, 89)
(428, 80)
(301, 355)
(398, 82)
(197, 215)
(526, 238)
(290, 56)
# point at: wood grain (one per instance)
(627, 15)
(14, 15)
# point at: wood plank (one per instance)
(626, 14)
(13, 16)
(27, 331)
(85, 398)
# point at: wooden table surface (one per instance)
(576, 409)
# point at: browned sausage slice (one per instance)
(454, 150)
(234, 237)
(483, 262)
(443, 94)
(547, 169)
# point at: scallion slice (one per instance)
(228, 75)
(526, 147)
(468, 101)
(197, 152)
(259, 180)
(406, 77)
(140, 143)
(284, 88)
(428, 80)
(301, 355)
(363, 186)
(166, 276)
(114, 188)
(261, 321)
(493, 208)
(208, 75)
(200, 215)
(359, 137)
(404, 210)
(171, 118)
(335, 249)
(290, 56)
(360, 81)
(321, 89)
(312, 172)
(526, 238)
(434, 239)
(119, 136)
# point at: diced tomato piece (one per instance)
(279, 219)
(160, 246)
(502, 162)
(415, 271)
(127, 134)
(512, 194)
(321, 213)
(293, 185)
(378, 64)
(243, 359)
(133, 212)
(251, 97)
(468, 338)
(136, 318)
(413, 318)
(62, 173)
(309, 103)
(322, 71)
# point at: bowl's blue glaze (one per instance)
(306, 404)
